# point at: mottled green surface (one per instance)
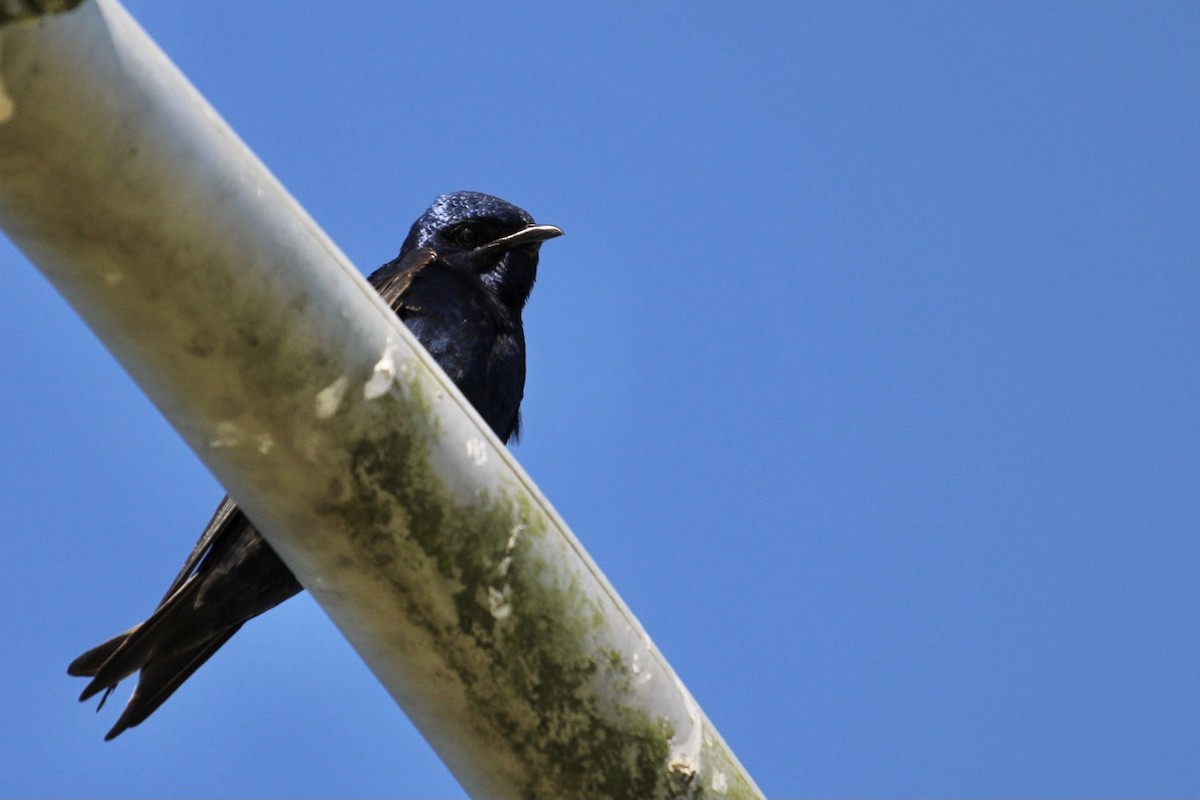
(522, 644)
(11, 10)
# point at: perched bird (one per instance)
(459, 283)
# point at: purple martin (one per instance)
(459, 283)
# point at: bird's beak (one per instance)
(531, 235)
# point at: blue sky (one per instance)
(867, 371)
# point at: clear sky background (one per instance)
(867, 371)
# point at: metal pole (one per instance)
(366, 470)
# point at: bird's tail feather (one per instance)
(161, 678)
(90, 662)
(153, 648)
(112, 662)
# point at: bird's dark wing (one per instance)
(394, 279)
(220, 523)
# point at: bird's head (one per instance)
(486, 236)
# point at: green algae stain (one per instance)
(523, 642)
(10, 12)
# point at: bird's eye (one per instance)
(468, 236)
